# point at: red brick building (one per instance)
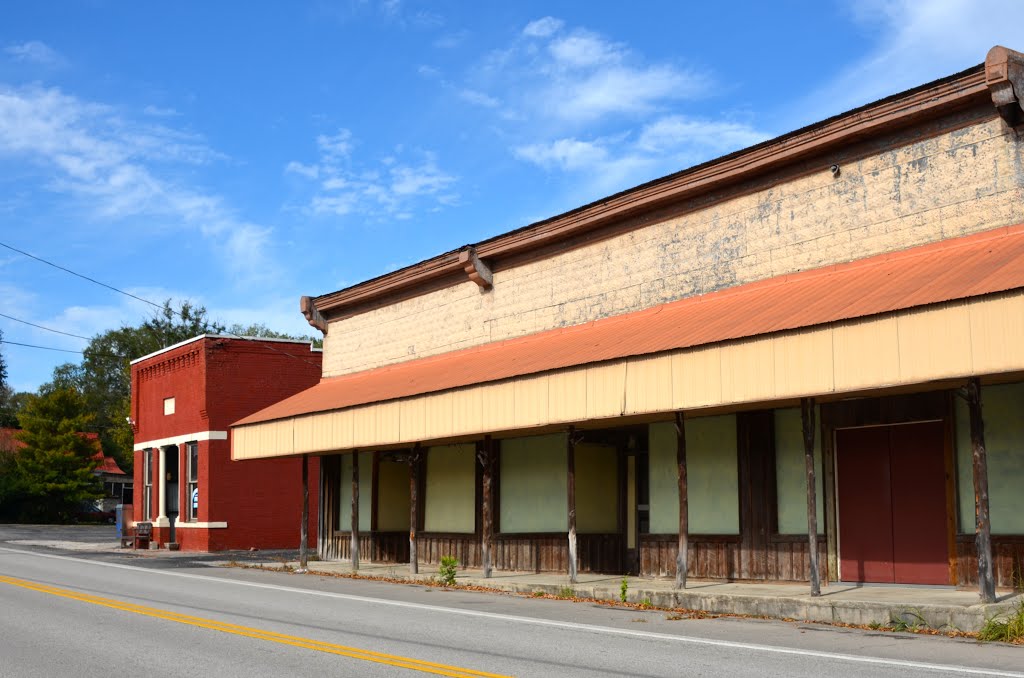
(184, 400)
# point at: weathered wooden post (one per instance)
(570, 453)
(414, 481)
(354, 543)
(304, 527)
(808, 421)
(982, 524)
(485, 454)
(682, 549)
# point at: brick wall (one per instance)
(215, 382)
(922, 186)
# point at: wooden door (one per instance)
(892, 504)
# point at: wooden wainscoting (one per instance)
(1007, 561)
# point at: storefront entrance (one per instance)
(892, 504)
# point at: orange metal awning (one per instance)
(953, 269)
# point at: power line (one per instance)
(147, 301)
(48, 329)
(83, 277)
(52, 348)
(45, 348)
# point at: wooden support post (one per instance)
(807, 419)
(354, 544)
(304, 527)
(682, 548)
(414, 482)
(982, 524)
(485, 454)
(570, 454)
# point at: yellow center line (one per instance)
(259, 634)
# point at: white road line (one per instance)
(878, 661)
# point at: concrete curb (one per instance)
(826, 609)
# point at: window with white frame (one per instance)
(192, 460)
(147, 487)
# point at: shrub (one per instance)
(623, 590)
(449, 567)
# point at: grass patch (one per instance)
(566, 592)
(1006, 629)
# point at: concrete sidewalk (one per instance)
(943, 608)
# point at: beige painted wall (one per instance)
(1003, 413)
(450, 502)
(956, 183)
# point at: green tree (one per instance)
(55, 467)
(7, 418)
(104, 375)
(261, 330)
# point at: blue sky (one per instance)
(242, 154)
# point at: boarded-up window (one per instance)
(597, 489)
(365, 492)
(1003, 413)
(791, 473)
(533, 485)
(392, 496)
(712, 481)
(450, 502)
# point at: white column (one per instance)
(161, 506)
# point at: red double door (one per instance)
(892, 504)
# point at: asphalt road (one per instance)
(64, 614)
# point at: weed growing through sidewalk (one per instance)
(1006, 629)
(566, 592)
(623, 590)
(645, 604)
(538, 594)
(447, 570)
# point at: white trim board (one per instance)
(200, 526)
(178, 440)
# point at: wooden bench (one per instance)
(139, 536)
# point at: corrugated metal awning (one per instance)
(953, 269)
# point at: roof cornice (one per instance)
(899, 111)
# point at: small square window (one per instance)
(168, 405)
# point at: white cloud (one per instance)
(920, 41)
(451, 40)
(621, 90)
(308, 171)
(543, 28)
(478, 98)
(35, 52)
(612, 163)
(427, 71)
(676, 131)
(394, 189)
(117, 169)
(584, 48)
(158, 112)
(569, 77)
(565, 154)
(423, 179)
(335, 146)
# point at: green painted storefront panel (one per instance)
(365, 492)
(450, 501)
(1003, 414)
(533, 484)
(712, 476)
(791, 472)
